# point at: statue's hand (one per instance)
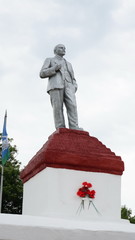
(57, 67)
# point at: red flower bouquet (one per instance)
(84, 192)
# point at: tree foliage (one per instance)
(12, 184)
(127, 214)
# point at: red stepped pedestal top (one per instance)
(73, 149)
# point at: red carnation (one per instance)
(89, 185)
(88, 192)
(84, 183)
(92, 194)
(81, 194)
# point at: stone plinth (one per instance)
(53, 176)
(73, 149)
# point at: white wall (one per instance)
(52, 192)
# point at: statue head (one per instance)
(59, 50)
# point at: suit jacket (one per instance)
(56, 80)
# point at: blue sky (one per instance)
(99, 36)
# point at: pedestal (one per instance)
(53, 176)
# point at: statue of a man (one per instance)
(61, 88)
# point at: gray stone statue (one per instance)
(61, 88)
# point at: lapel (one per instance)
(56, 60)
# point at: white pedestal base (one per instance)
(52, 193)
(16, 227)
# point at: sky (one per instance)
(99, 36)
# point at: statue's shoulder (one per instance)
(49, 60)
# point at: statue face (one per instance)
(60, 50)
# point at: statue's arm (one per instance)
(73, 78)
(75, 84)
(47, 70)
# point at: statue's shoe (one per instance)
(77, 128)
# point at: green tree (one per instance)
(127, 214)
(12, 184)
